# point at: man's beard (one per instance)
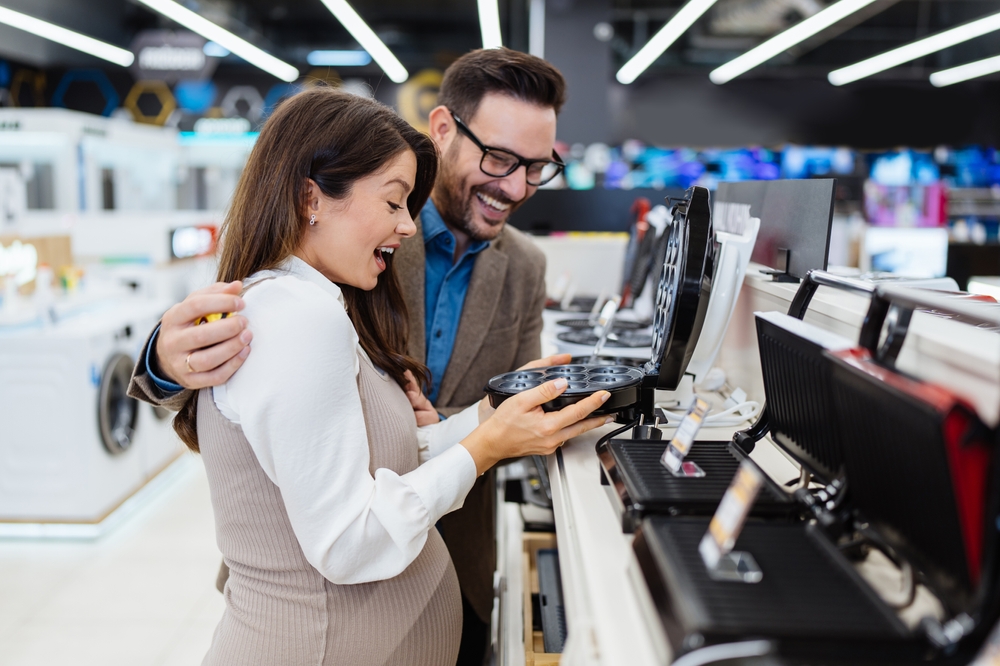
(455, 202)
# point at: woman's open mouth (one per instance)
(380, 253)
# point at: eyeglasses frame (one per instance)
(464, 129)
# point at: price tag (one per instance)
(727, 523)
(680, 445)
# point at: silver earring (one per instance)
(312, 220)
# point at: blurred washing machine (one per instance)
(73, 445)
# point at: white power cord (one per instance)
(745, 411)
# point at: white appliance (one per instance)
(736, 239)
(73, 446)
(74, 161)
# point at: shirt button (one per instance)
(437, 333)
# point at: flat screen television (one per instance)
(795, 221)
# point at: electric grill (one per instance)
(623, 337)
(587, 324)
(797, 406)
(922, 480)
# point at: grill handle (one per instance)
(815, 279)
(892, 308)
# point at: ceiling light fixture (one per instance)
(787, 39)
(224, 38)
(972, 70)
(489, 24)
(536, 28)
(368, 40)
(66, 37)
(914, 50)
(661, 41)
(338, 58)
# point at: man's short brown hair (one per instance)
(504, 71)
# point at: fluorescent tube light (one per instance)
(536, 28)
(787, 39)
(489, 24)
(368, 40)
(338, 58)
(914, 50)
(66, 37)
(972, 70)
(661, 41)
(224, 38)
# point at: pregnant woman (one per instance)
(325, 491)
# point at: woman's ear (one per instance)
(311, 196)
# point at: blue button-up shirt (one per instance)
(169, 388)
(446, 284)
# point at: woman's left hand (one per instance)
(422, 407)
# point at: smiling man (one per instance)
(474, 286)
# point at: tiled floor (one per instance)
(141, 595)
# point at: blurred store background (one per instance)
(85, 144)
(125, 124)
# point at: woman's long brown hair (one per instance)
(333, 138)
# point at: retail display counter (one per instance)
(610, 614)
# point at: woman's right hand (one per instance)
(519, 427)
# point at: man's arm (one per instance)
(148, 387)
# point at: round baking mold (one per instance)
(584, 380)
(625, 340)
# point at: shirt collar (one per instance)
(433, 226)
(300, 269)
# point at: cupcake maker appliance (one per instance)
(683, 290)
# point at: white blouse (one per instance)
(296, 398)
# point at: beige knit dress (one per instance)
(282, 611)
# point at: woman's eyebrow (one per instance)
(406, 186)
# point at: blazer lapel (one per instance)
(481, 301)
(410, 265)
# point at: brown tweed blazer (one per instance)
(499, 330)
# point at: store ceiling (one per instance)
(734, 26)
(424, 33)
(429, 33)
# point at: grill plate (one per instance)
(645, 486)
(808, 594)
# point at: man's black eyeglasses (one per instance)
(498, 162)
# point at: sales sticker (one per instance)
(727, 523)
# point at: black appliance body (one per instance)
(922, 477)
(683, 290)
(639, 485)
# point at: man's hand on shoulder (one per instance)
(207, 355)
